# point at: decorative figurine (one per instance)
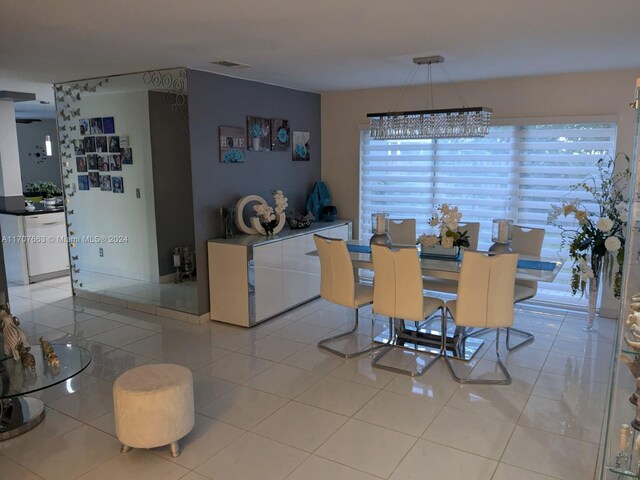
(634, 367)
(12, 333)
(48, 353)
(27, 359)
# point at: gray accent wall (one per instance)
(171, 177)
(216, 100)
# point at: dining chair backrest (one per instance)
(337, 281)
(397, 285)
(527, 241)
(485, 290)
(402, 230)
(473, 230)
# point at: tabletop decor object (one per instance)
(594, 232)
(501, 235)
(448, 240)
(380, 229)
(14, 337)
(227, 221)
(48, 353)
(297, 221)
(269, 220)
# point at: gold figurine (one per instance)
(48, 353)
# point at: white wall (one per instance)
(33, 168)
(598, 93)
(9, 157)
(107, 213)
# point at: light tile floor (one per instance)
(271, 405)
(176, 296)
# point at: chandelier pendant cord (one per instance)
(453, 84)
(404, 88)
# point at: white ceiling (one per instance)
(316, 45)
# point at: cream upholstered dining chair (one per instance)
(402, 231)
(485, 300)
(338, 285)
(397, 294)
(448, 285)
(525, 241)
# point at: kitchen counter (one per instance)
(40, 210)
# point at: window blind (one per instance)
(516, 172)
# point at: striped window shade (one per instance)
(516, 172)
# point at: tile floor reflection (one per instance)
(175, 296)
(271, 405)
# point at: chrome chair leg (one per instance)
(480, 381)
(323, 343)
(389, 346)
(528, 338)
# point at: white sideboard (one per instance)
(253, 278)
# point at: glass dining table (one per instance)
(19, 413)
(427, 336)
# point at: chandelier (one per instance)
(465, 122)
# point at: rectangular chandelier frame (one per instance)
(468, 122)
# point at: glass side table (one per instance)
(19, 414)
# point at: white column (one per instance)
(10, 178)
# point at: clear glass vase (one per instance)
(592, 297)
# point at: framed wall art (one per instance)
(232, 144)
(258, 134)
(280, 135)
(301, 148)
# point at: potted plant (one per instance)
(448, 240)
(44, 190)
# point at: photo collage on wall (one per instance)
(100, 155)
(263, 134)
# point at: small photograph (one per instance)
(78, 146)
(92, 161)
(89, 144)
(81, 164)
(115, 163)
(105, 183)
(232, 144)
(108, 125)
(101, 144)
(94, 179)
(280, 135)
(117, 185)
(103, 163)
(124, 141)
(83, 182)
(114, 144)
(96, 126)
(127, 156)
(258, 134)
(84, 126)
(300, 149)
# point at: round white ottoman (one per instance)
(153, 406)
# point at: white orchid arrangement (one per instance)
(267, 213)
(595, 238)
(445, 220)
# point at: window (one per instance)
(516, 172)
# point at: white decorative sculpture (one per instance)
(239, 216)
(256, 226)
